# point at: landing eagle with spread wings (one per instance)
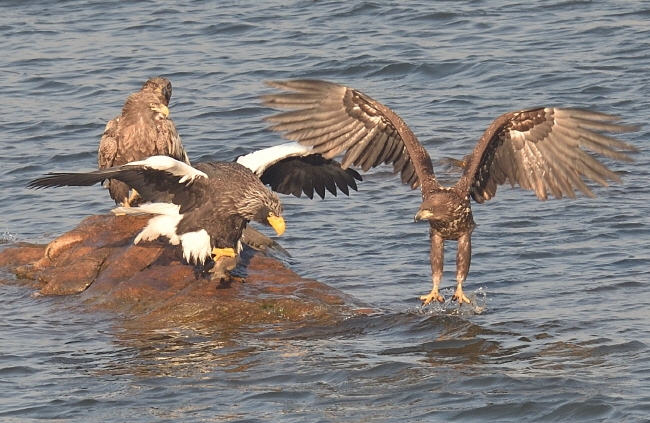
(546, 150)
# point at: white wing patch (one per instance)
(260, 160)
(175, 167)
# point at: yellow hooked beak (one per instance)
(422, 215)
(277, 222)
(160, 108)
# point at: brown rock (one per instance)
(151, 286)
(21, 253)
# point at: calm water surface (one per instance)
(561, 333)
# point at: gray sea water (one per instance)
(562, 334)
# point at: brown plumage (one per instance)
(141, 131)
(546, 150)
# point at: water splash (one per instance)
(8, 238)
(478, 304)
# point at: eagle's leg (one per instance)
(222, 267)
(217, 253)
(463, 259)
(437, 256)
(225, 259)
(132, 197)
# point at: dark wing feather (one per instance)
(70, 179)
(306, 174)
(335, 119)
(152, 184)
(546, 150)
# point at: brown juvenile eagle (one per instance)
(546, 150)
(139, 132)
(207, 207)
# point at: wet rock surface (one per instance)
(149, 283)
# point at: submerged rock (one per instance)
(149, 282)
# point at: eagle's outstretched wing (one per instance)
(295, 169)
(335, 119)
(546, 150)
(158, 179)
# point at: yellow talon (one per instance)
(132, 197)
(432, 296)
(460, 296)
(223, 252)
